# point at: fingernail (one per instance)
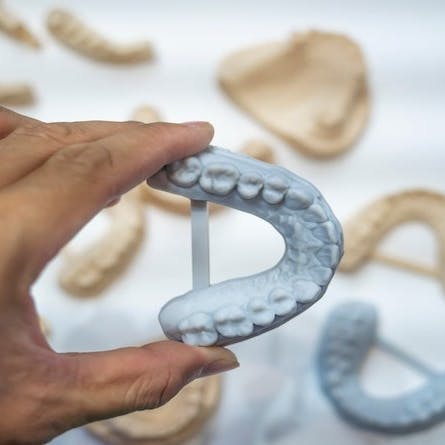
(220, 365)
(195, 123)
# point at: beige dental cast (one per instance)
(16, 94)
(368, 227)
(179, 422)
(15, 28)
(176, 203)
(72, 32)
(90, 271)
(311, 90)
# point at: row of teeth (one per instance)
(221, 178)
(230, 321)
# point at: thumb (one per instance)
(113, 383)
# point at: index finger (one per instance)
(57, 199)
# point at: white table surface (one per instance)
(403, 147)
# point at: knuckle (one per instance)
(54, 133)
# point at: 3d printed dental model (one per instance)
(178, 204)
(12, 26)
(311, 90)
(238, 309)
(371, 224)
(70, 31)
(179, 422)
(16, 94)
(89, 272)
(349, 334)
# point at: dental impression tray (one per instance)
(237, 309)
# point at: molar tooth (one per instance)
(298, 199)
(250, 184)
(281, 301)
(186, 172)
(219, 178)
(315, 213)
(274, 189)
(232, 321)
(259, 312)
(306, 291)
(326, 232)
(328, 255)
(321, 275)
(198, 330)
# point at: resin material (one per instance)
(311, 89)
(349, 334)
(73, 33)
(181, 419)
(238, 309)
(364, 231)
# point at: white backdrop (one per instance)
(403, 146)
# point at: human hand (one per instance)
(53, 179)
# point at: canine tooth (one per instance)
(281, 301)
(315, 213)
(328, 255)
(274, 189)
(186, 172)
(198, 330)
(219, 178)
(306, 291)
(298, 199)
(250, 184)
(231, 321)
(326, 232)
(321, 275)
(260, 312)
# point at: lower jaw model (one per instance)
(237, 309)
(349, 335)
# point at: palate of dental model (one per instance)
(348, 336)
(15, 28)
(364, 231)
(16, 94)
(241, 308)
(183, 418)
(178, 204)
(310, 90)
(73, 33)
(90, 271)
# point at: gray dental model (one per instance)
(237, 309)
(349, 334)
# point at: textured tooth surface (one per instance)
(274, 189)
(250, 184)
(184, 173)
(219, 178)
(315, 213)
(281, 301)
(198, 329)
(321, 275)
(306, 291)
(325, 232)
(329, 255)
(260, 313)
(232, 321)
(298, 199)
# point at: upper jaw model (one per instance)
(237, 309)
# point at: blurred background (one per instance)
(403, 146)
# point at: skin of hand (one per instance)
(54, 177)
